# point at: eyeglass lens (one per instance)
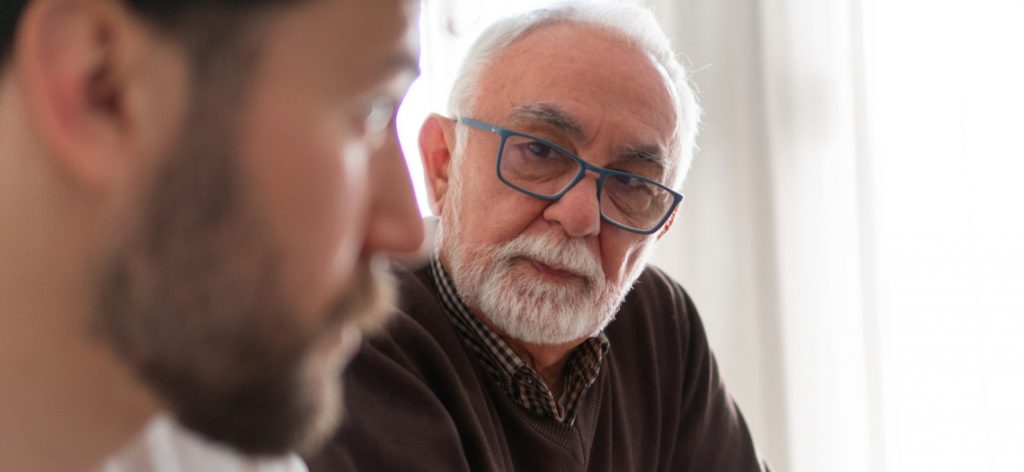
(535, 167)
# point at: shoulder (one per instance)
(658, 339)
(656, 332)
(654, 282)
(411, 381)
(657, 302)
(166, 446)
(419, 338)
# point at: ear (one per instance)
(75, 65)
(668, 224)
(437, 142)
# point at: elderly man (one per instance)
(195, 196)
(538, 339)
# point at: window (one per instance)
(944, 103)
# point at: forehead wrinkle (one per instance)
(548, 114)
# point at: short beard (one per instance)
(193, 302)
(497, 282)
(233, 365)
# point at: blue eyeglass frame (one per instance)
(585, 166)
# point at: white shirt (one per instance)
(166, 446)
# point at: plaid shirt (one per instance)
(519, 380)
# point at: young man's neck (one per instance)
(67, 402)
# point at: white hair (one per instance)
(633, 23)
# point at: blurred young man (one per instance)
(539, 339)
(194, 199)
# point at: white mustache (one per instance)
(569, 255)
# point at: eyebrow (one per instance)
(555, 117)
(547, 114)
(652, 154)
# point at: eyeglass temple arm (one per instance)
(477, 124)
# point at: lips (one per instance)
(558, 272)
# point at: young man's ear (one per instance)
(437, 142)
(79, 66)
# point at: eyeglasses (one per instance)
(547, 171)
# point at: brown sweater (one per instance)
(418, 401)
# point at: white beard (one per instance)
(504, 287)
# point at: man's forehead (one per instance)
(569, 75)
(548, 114)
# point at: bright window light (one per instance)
(945, 96)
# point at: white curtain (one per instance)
(769, 242)
(853, 230)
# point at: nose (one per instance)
(394, 225)
(578, 212)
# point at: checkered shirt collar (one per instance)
(524, 385)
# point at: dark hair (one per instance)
(170, 15)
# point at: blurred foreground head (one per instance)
(194, 197)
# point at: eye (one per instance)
(630, 181)
(539, 149)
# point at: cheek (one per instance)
(620, 253)
(311, 186)
(492, 212)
